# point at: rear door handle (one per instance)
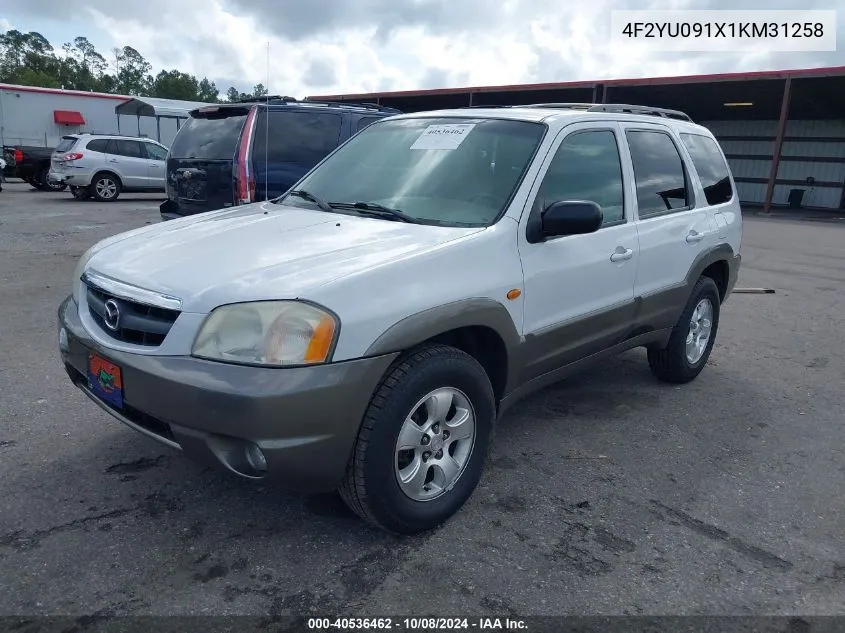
(694, 236)
(113, 160)
(621, 254)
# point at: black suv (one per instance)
(231, 154)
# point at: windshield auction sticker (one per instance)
(443, 136)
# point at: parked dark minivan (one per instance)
(231, 154)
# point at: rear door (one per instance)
(674, 225)
(200, 164)
(156, 156)
(288, 145)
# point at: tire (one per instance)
(372, 487)
(100, 187)
(47, 184)
(80, 193)
(672, 364)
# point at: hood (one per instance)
(258, 252)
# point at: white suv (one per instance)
(365, 331)
(102, 166)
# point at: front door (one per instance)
(156, 164)
(579, 289)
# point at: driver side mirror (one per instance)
(570, 217)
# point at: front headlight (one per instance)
(275, 333)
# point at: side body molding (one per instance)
(476, 312)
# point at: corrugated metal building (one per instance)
(40, 116)
(781, 130)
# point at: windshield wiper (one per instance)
(310, 197)
(375, 209)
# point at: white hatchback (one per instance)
(102, 166)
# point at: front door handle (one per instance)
(621, 254)
(113, 160)
(694, 236)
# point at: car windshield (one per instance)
(450, 171)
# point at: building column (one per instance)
(470, 98)
(784, 116)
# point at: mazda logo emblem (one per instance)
(112, 315)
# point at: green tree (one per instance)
(132, 75)
(172, 84)
(233, 95)
(259, 91)
(28, 58)
(208, 91)
(83, 68)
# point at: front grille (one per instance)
(137, 323)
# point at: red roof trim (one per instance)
(67, 93)
(68, 117)
(645, 81)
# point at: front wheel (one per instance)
(423, 442)
(692, 337)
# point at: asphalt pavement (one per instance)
(608, 494)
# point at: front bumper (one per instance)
(304, 419)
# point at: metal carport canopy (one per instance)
(157, 108)
(154, 107)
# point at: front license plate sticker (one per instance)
(105, 380)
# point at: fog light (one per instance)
(63, 344)
(256, 458)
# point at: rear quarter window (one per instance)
(210, 137)
(711, 166)
(66, 143)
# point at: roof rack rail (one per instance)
(267, 99)
(618, 108)
(353, 104)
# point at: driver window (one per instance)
(587, 167)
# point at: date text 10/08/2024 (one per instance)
(416, 624)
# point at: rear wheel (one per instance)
(692, 337)
(423, 442)
(80, 193)
(51, 186)
(105, 187)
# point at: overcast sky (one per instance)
(344, 46)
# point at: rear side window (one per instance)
(210, 138)
(658, 172)
(365, 121)
(711, 167)
(123, 147)
(302, 138)
(66, 143)
(98, 145)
